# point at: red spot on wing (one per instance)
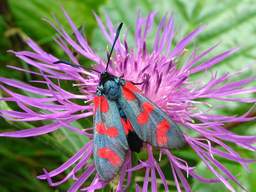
(102, 103)
(148, 107)
(110, 155)
(126, 125)
(162, 131)
(143, 117)
(112, 132)
(103, 130)
(96, 102)
(129, 95)
(129, 89)
(100, 128)
(128, 85)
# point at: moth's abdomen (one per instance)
(134, 142)
(112, 90)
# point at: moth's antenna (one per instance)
(108, 54)
(113, 45)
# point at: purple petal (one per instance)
(184, 42)
(82, 179)
(33, 132)
(175, 178)
(161, 174)
(69, 162)
(153, 180)
(213, 61)
(146, 179)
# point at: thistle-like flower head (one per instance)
(164, 82)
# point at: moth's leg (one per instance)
(140, 83)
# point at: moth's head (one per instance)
(105, 76)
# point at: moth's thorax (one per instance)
(110, 86)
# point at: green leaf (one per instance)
(28, 15)
(247, 179)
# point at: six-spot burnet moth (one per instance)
(125, 119)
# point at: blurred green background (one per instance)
(230, 22)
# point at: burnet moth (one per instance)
(124, 120)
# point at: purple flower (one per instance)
(169, 86)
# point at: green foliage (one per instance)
(231, 22)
